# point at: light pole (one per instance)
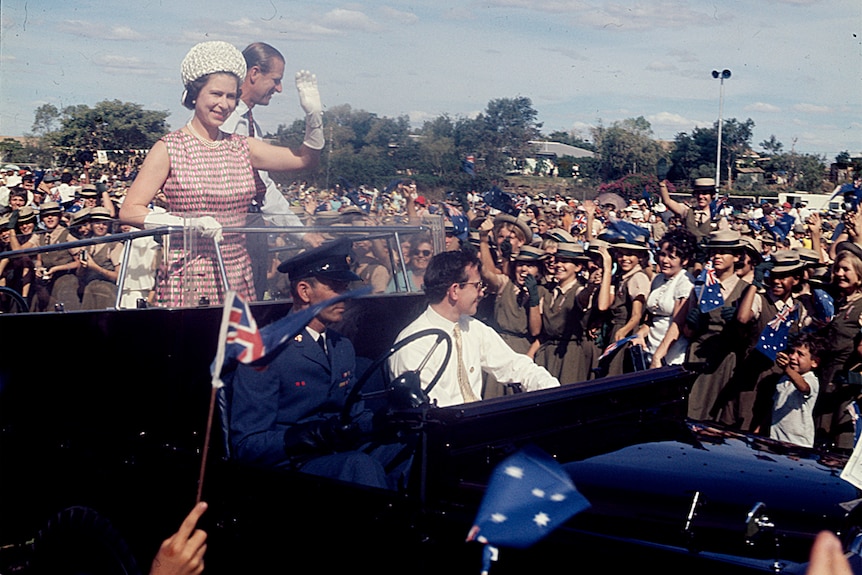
(722, 75)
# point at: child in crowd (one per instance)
(796, 392)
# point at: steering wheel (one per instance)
(405, 390)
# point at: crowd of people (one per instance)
(763, 302)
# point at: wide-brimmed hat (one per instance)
(703, 186)
(80, 216)
(26, 215)
(847, 246)
(560, 235)
(50, 208)
(529, 254)
(785, 262)
(730, 239)
(640, 243)
(753, 247)
(88, 191)
(570, 251)
(809, 257)
(101, 214)
(522, 224)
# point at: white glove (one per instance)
(309, 99)
(207, 226)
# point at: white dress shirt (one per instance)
(276, 209)
(483, 349)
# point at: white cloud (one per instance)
(123, 33)
(812, 108)
(351, 20)
(658, 66)
(762, 107)
(399, 16)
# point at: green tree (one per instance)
(110, 125)
(626, 147)
(11, 150)
(772, 145)
(46, 119)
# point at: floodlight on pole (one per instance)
(724, 74)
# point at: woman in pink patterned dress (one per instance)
(208, 178)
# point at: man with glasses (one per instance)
(454, 287)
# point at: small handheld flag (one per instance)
(710, 297)
(528, 496)
(774, 336)
(824, 305)
(469, 165)
(615, 346)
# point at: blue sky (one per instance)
(796, 64)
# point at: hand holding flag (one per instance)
(774, 336)
(709, 297)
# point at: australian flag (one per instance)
(824, 306)
(615, 346)
(239, 338)
(773, 338)
(710, 292)
(529, 495)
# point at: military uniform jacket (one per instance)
(299, 385)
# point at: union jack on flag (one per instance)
(239, 338)
(615, 346)
(710, 293)
(774, 336)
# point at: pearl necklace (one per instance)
(208, 143)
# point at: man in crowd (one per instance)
(264, 73)
(454, 287)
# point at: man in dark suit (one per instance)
(287, 412)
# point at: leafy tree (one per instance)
(772, 145)
(11, 150)
(46, 118)
(110, 125)
(626, 147)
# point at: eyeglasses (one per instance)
(423, 253)
(480, 285)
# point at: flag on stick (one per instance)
(710, 297)
(615, 346)
(528, 496)
(774, 336)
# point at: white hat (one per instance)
(210, 57)
(13, 180)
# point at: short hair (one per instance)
(445, 269)
(683, 242)
(261, 55)
(812, 341)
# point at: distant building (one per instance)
(547, 156)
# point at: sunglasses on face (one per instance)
(423, 253)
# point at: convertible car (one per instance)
(104, 417)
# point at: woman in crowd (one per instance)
(208, 176)
(420, 252)
(667, 296)
(630, 286)
(516, 314)
(563, 318)
(834, 423)
(99, 265)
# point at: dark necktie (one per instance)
(321, 341)
(250, 123)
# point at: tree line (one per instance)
(365, 148)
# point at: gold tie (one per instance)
(463, 381)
